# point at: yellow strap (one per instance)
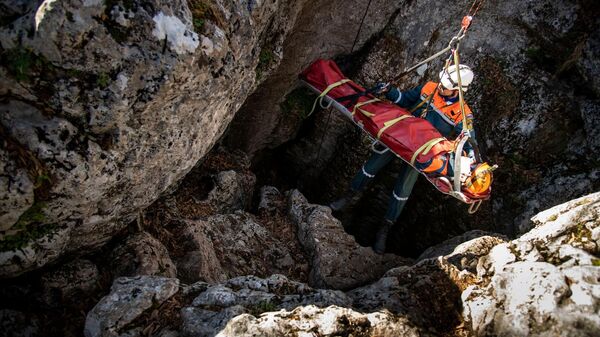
(357, 106)
(425, 148)
(325, 92)
(427, 99)
(466, 125)
(391, 122)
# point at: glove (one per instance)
(381, 88)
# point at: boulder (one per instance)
(70, 283)
(535, 299)
(226, 246)
(464, 251)
(427, 293)
(141, 254)
(543, 283)
(233, 191)
(327, 322)
(337, 261)
(212, 309)
(129, 298)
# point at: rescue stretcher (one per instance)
(410, 138)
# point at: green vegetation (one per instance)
(102, 80)
(298, 102)
(553, 217)
(265, 58)
(261, 307)
(35, 214)
(42, 179)
(203, 10)
(29, 227)
(24, 237)
(596, 262)
(22, 63)
(198, 24)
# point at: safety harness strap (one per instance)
(391, 122)
(366, 113)
(325, 92)
(425, 148)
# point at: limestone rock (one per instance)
(269, 199)
(464, 251)
(338, 262)
(213, 308)
(16, 324)
(427, 293)
(16, 192)
(225, 246)
(128, 299)
(70, 282)
(312, 320)
(232, 191)
(119, 101)
(200, 322)
(536, 299)
(141, 254)
(543, 283)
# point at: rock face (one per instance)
(109, 103)
(328, 29)
(213, 308)
(534, 110)
(338, 262)
(225, 246)
(545, 282)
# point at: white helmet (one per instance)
(449, 79)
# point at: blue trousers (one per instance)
(404, 184)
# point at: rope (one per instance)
(360, 27)
(351, 51)
(454, 41)
(461, 97)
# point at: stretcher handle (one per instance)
(374, 147)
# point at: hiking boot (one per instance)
(381, 237)
(346, 200)
(339, 204)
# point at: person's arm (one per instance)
(405, 99)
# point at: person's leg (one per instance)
(369, 169)
(362, 178)
(404, 185)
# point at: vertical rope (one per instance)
(360, 27)
(351, 51)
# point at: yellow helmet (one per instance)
(481, 179)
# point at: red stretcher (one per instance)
(410, 138)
